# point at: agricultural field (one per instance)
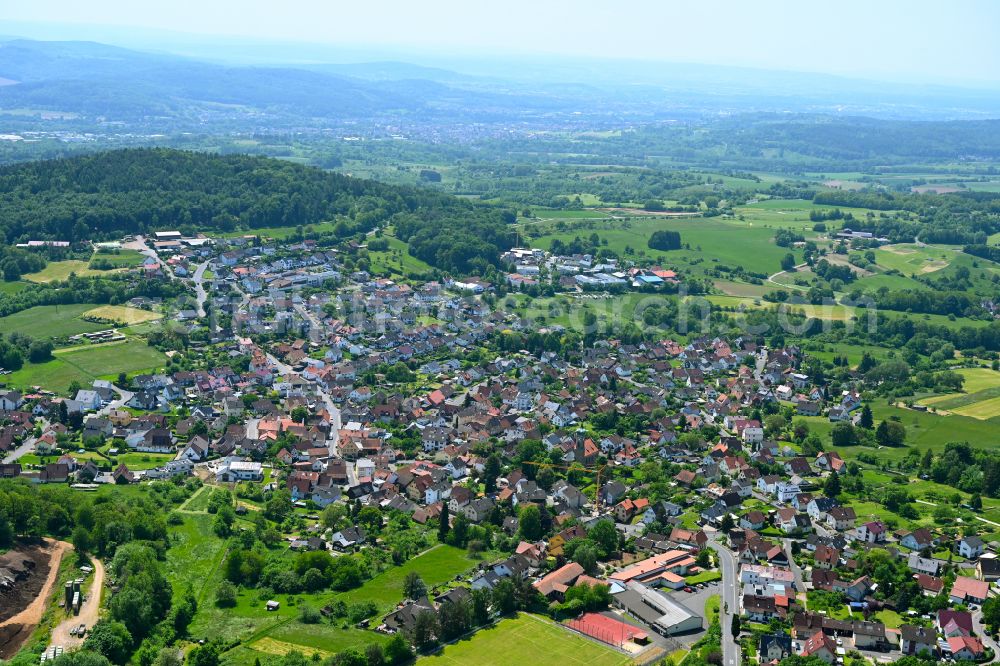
(87, 363)
(542, 214)
(825, 312)
(122, 259)
(61, 270)
(54, 321)
(122, 314)
(520, 640)
(908, 258)
(980, 399)
(985, 409)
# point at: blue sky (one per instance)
(913, 40)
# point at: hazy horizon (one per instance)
(911, 42)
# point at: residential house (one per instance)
(924, 565)
(841, 518)
(967, 648)
(918, 539)
(774, 647)
(917, 640)
(969, 590)
(871, 532)
(348, 538)
(821, 646)
(971, 547)
(988, 569)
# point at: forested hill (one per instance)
(106, 195)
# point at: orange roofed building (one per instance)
(666, 569)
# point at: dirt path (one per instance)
(770, 278)
(89, 612)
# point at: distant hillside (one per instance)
(90, 78)
(96, 85)
(97, 80)
(108, 194)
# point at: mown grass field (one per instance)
(854, 353)
(46, 321)
(437, 565)
(743, 289)
(712, 241)
(123, 314)
(280, 632)
(140, 461)
(11, 288)
(85, 364)
(523, 640)
(397, 259)
(307, 638)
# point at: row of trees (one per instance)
(97, 525)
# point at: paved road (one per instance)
(199, 287)
(984, 636)
(760, 364)
(26, 447)
(800, 585)
(139, 244)
(730, 603)
(335, 423)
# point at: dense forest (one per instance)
(108, 194)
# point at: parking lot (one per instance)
(695, 601)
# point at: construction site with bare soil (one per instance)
(27, 574)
